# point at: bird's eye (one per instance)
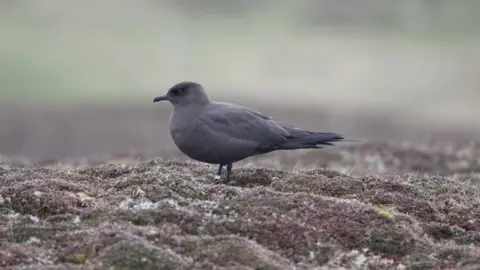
(176, 92)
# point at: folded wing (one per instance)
(246, 124)
(265, 133)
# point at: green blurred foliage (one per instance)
(370, 53)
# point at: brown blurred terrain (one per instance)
(141, 131)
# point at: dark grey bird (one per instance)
(223, 133)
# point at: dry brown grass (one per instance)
(162, 214)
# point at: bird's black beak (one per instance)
(160, 98)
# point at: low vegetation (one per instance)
(163, 214)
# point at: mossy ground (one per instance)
(411, 211)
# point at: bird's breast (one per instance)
(191, 139)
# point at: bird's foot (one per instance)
(217, 180)
(227, 180)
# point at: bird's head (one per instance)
(184, 94)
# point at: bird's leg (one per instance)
(229, 171)
(219, 174)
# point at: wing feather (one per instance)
(245, 124)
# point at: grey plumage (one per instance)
(223, 133)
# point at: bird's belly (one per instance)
(209, 149)
(200, 152)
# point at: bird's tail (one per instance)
(308, 139)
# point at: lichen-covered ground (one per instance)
(374, 206)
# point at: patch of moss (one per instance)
(168, 212)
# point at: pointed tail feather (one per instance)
(307, 139)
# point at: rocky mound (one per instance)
(168, 215)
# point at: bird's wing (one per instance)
(245, 124)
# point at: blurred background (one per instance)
(77, 78)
